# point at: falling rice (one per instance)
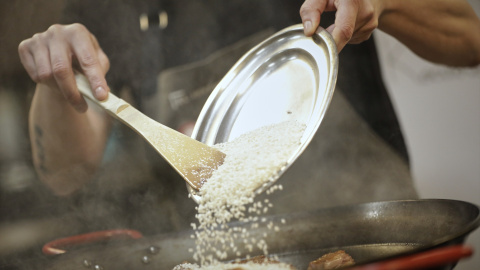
(252, 160)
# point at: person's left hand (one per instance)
(355, 20)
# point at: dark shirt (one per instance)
(196, 29)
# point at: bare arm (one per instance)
(67, 145)
(441, 31)
(444, 31)
(67, 139)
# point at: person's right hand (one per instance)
(51, 57)
(355, 20)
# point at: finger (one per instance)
(43, 68)
(102, 57)
(87, 57)
(330, 28)
(345, 19)
(104, 62)
(61, 62)
(310, 12)
(26, 58)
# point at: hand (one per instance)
(50, 58)
(355, 20)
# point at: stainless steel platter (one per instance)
(286, 77)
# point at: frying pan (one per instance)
(370, 232)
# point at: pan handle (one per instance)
(60, 246)
(427, 259)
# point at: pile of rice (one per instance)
(252, 160)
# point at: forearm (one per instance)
(67, 146)
(441, 31)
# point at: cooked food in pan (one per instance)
(332, 260)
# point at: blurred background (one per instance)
(438, 108)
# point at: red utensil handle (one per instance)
(60, 246)
(422, 260)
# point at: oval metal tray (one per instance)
(288, 76)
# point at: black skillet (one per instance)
(370, 233)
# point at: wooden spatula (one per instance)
(193, 160)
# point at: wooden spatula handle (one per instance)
(112, 103)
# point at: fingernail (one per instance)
(307, 25)
(100, 93)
